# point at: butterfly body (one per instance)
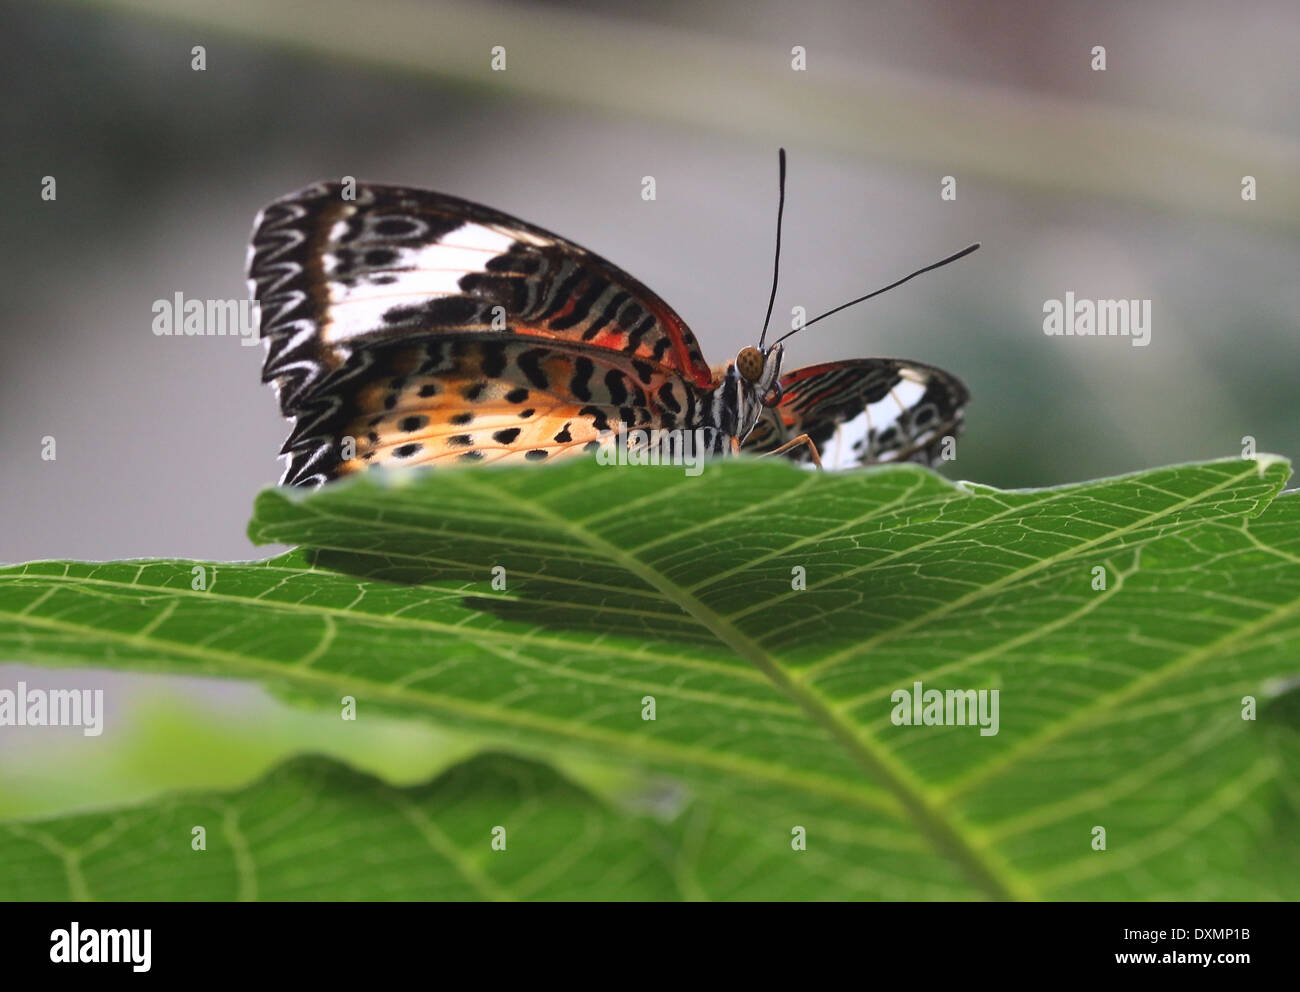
(406, 327)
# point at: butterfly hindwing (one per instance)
(864, 412)
(352, 291)
(484, 399)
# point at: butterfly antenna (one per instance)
(776, 264)
(929, 268)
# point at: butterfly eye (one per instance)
(749, 363)
(773, 396)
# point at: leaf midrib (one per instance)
(932, 812)
(945, 828)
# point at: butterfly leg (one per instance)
(794, 443)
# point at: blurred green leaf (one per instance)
(167, 733)
(316, 829)
(1121, 707)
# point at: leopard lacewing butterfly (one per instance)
(407, 327)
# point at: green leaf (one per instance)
(1120, 707)
(316, 829)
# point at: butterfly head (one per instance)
(761, 371)
(750, 383)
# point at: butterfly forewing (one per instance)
(864, 412)
(406, 320)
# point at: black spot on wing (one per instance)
(581, 307)
(598, 418)
(447, 311)
(530, 363)
(494, 359)
(580, 383)
(668, 398)
(606, 315)
(616, 386)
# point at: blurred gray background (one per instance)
(1123, 183)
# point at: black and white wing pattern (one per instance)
(863, 412)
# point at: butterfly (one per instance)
(407, 327)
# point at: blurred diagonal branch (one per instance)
(725, 85)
